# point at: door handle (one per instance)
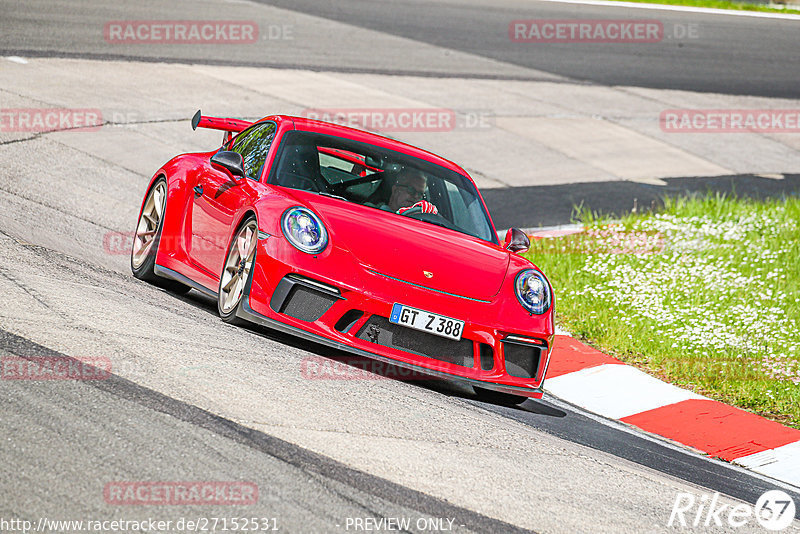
(198, 190)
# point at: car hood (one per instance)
(414, 251)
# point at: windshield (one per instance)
(382, 179)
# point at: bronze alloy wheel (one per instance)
(237, 268)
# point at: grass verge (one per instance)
(704, 294)
(721, 4)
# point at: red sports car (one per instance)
(355, 241)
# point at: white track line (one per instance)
(782, 462)
(685, 9)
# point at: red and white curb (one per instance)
(606, 386)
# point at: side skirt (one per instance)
(178, 277)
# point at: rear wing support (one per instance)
(229, 126)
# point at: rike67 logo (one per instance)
(774, 511)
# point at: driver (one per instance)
(408, 192)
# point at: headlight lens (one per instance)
(304, 230)
(532, 291)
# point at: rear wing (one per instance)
(215, 123)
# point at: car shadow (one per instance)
(341, 365)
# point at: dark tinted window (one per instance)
(368, 175)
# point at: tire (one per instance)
(498, 397)
(147, 238)
(236, 270)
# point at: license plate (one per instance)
(426, 321)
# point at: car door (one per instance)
(218, 197)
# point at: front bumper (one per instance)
(353, 318)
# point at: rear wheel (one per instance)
(498, 397)
(236, 270)
(147, 238)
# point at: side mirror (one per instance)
(516, 241)
(374, 162)
(230, 161)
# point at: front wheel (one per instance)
(147, 239)
(236, 271)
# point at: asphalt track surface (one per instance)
(699, 52)
(306, 491)
(64, 440)
(726, 54)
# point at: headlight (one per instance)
(304, 230)
(532, 291)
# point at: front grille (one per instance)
(522, 359)
(380, 331)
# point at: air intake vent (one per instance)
(487, 357)
(347, 320)
(301, 299)
(522, 359)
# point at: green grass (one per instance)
(720, 4)
(704, 294)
